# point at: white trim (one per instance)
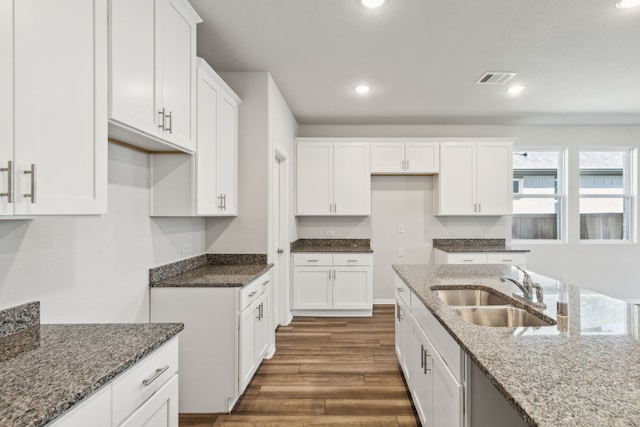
(333, 313)
(632, 301)
(384, 301)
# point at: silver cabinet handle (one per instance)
(479, 207)
(265, 283)
(170, 117)
(312, 260)
(252, 293)
(162, 119)
(9, 193)
(224, 202)
(352, 260)
(155, 376)
(422, 355)
(220, 205)
(467, 260)
(407, 168)
(400, 289)
(330, 207)
(335, 208)
(426, 361)
(33, 174)
(507, 260)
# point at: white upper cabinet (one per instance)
(332, 178)
(475, 178)
(152, 51)
(53, 74)
(206, 183)
(405, 157)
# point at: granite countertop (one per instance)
(210, 271)
(475, 245)
(46, 369)
(332, 245)
(581, 372)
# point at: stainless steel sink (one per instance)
(501, 316)
(470, 297)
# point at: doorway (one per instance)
(281, 297)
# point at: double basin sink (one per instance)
(487, 309)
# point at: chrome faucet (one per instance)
(527, 286)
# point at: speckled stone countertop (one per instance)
(210, 271)
(475, 245)
(584, 371)
(59, 365)
(332, 245)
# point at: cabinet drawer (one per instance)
(312, 259)
(352, 259)
(507, 258)
(130, 391)
(253, 290)
(402, 290)
(467, 258)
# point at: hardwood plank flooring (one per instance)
(326, 372)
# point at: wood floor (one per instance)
(326, 372)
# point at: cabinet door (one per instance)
(422, 157)
(494, 178)
(351, 179)
(457, 188)
(160, 410)
(208, 93)
(423, 381)
(227, 164)
(132, 65)
(261, 329)
(6, 102)
(247, 344)
(60, 64)
(448, 395)
(177, 72)
(314, 178)
(312, 288)
(387, 157)
(352, 288)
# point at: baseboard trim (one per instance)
(384, 301)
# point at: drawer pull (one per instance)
(312, 260)
(467, 260)
(155, 376)
(265, 283)
(400, 289)
(507, 260)
(252, 293)
(352, 260)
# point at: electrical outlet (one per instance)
(400, 252)
(186, 248)
(451, 233)
(400, 228)
(329, 233)
(478, 233)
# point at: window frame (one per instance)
(629, 193)
(560, 195)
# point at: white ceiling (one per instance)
(579, 59)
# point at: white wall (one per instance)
(95, 268)
(607, 268)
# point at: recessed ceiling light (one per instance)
(626, 4)
(372, 3)
(362, 89)
(516, 89)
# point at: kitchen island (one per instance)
(582, 371)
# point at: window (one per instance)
(538, 194)
(606, 182)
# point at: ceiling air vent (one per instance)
(495, 78)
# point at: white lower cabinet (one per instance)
(145, 395)
(226, 336)
(431, 361)
(326, 284)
